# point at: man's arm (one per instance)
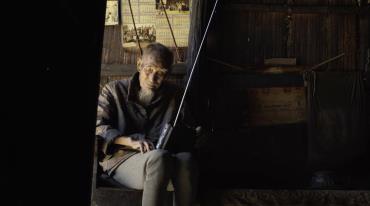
(106, 119)
(105, 126)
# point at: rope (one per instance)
(133, 21)
(169, 25)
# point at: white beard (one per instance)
(145, 96)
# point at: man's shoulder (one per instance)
(117, 86)
(118, 83)
(173, 88)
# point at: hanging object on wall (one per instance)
(111, 13)
(275, 105)
(152, 24)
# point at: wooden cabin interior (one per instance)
(256, 90)
(281, 89)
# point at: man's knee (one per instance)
(161, 157)
(184, 157)
(185, 160)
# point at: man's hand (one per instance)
(142, 145)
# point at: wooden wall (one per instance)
(120, 63)
(300, 2)
(250, 31)
(114, 53)
(312, 31)
(245, 33)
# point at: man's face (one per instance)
(151, 73)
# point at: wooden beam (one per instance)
(350, 9)
(281, 61)
(129, 69)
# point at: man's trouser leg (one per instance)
(149, 172)
(185, 179)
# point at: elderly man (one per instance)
(131, 115)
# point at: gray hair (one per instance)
(160, 53)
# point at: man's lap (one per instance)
(131, 173)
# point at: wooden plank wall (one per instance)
(310, 30)
(244, 34)
(121, 61)
(114, 53)
(298, 2)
